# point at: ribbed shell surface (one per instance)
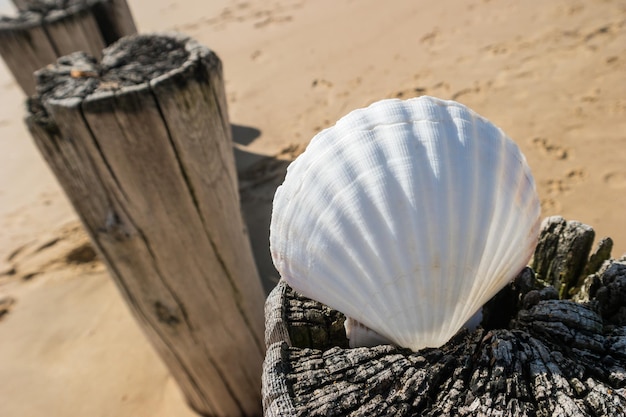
(406, 216)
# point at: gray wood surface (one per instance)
(47, 30)
(550, 357)
(143, 150)
(25, 47)
(562, 252)
(114, 18)
(74, 29)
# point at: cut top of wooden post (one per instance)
(136, 62)
(130, 62)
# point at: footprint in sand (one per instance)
(556, 187)
(321, 83)
(6, 304)
(477, 88)
(441, 89)
(616, 180)
(497, 49)
(430, 38)
(270, 20)
(67, 247)
(409, 93)
(576, 176)
(549, 205)
(82, 254)
(260, 17)
(550, 149)
(352, 85)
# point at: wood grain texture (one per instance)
(46, 30)
(551, 357)
(74, 29)
(150, 170)
(25, 47)
(562, 252)
(115, 20)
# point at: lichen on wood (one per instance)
(541, 356)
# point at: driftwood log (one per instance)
(141, 144)
(48, 29)
(534, 354)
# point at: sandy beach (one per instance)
(550, 74)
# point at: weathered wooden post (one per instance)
(535, 355)
(141, 144)
(48, 29)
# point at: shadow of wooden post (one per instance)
(142, 146)
(47, 30)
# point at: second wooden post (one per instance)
(141, 144)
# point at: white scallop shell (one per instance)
(406, 216)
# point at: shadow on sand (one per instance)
(259, 176)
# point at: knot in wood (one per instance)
(166, 315)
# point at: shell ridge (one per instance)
(525, 184)
(453, 145)
(507, 259)
(477, 245)
(462, 196)
(431, 278)
(423, 177)
(444, 233)
(487, 227)
(507, 196)
(495, 234)
(330, 269)
(305, 165)
(385, 203)
(335, 202)
(376, 289)
(503, 224)
(395, 209)
(408, 230)
(351, 223)
(346, 125)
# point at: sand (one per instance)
(551, 74)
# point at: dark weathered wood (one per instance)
(562, 253)
(553, 358)
(48, 29)
(74, 29)
(141, 145)
(25, 47)
(115, 19)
